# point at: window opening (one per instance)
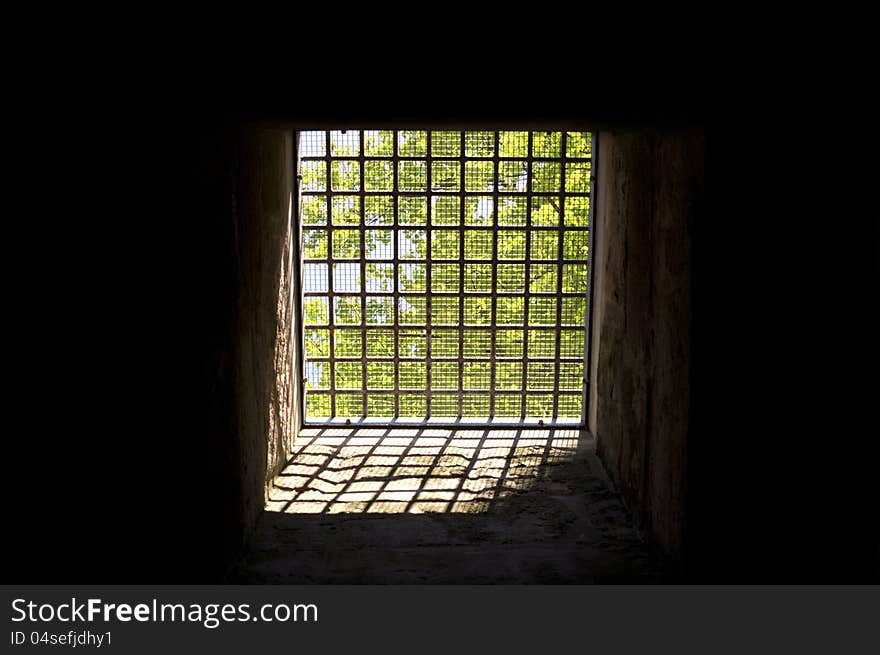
(444, 275)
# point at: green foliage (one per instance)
(478, 310)
(479, 175)
(542, 310)
(412, 210)
(571, 375)
(575, 244)
(348, 343)
(380, 278)
(508, 405)
(412, 344)
(316, 311)
(315, 244)
(546, 176)
(380, 343)
(537, 404)
(512, 211)
(349, 404)
(413, 310)
(412, 143)
(545, 210)
(317, 343)
(546, 144)
(445, 210)
(508, 375)
(378, 175)
(577, 177)
(574, 278)
(412, 175)
(542, 343)
(446, 176)
(478, 244)
(513, 144)
(444, 244)
(346, 210)
(346, 244)
(380, 375)
(579, 144)
(540, 375)
(574, 310)
(314, 210)
(380, 405)
(475, 405)
(512, 176)
(479, 144)
(380, 310)
(413, 406)
(314, 176)
(477, 278)
(511, 278)
(412, 277)
(444, 375)
(509, 343)
(509, 310)
(347, 310)
(445, 144)
(378, 143)
(544, 245)
(349, 375)
(577, 211)
(444, 310)
(379, 210)
(318, 405)
(345, 175)
(445, 278)
(488, 228)
(571, 343)
(542, 278)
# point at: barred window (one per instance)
(444, 275)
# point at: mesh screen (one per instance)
(444, 274)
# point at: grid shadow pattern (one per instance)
(415, 470)
(444, 275)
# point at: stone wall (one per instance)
(649, 192)
(261, 181)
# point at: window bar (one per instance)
(331, 309)
(362, 267)
(395, 236)
(528, 281)
(588, 319)
(461, 267)
(482, 231)
(429, 222)
(493, 324)
(560, 243)
(297, 271)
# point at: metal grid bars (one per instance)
(444, 275)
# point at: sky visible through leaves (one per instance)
(444, 274)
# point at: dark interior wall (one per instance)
(649, 193)
(234, 370)
(223, 422)
(732, 380)
(261, 174)
(166, 326)
(126, 469)
(782, 457)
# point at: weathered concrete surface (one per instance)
(650, 189)
(463, 508)
(261, 177)
(242, 288)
